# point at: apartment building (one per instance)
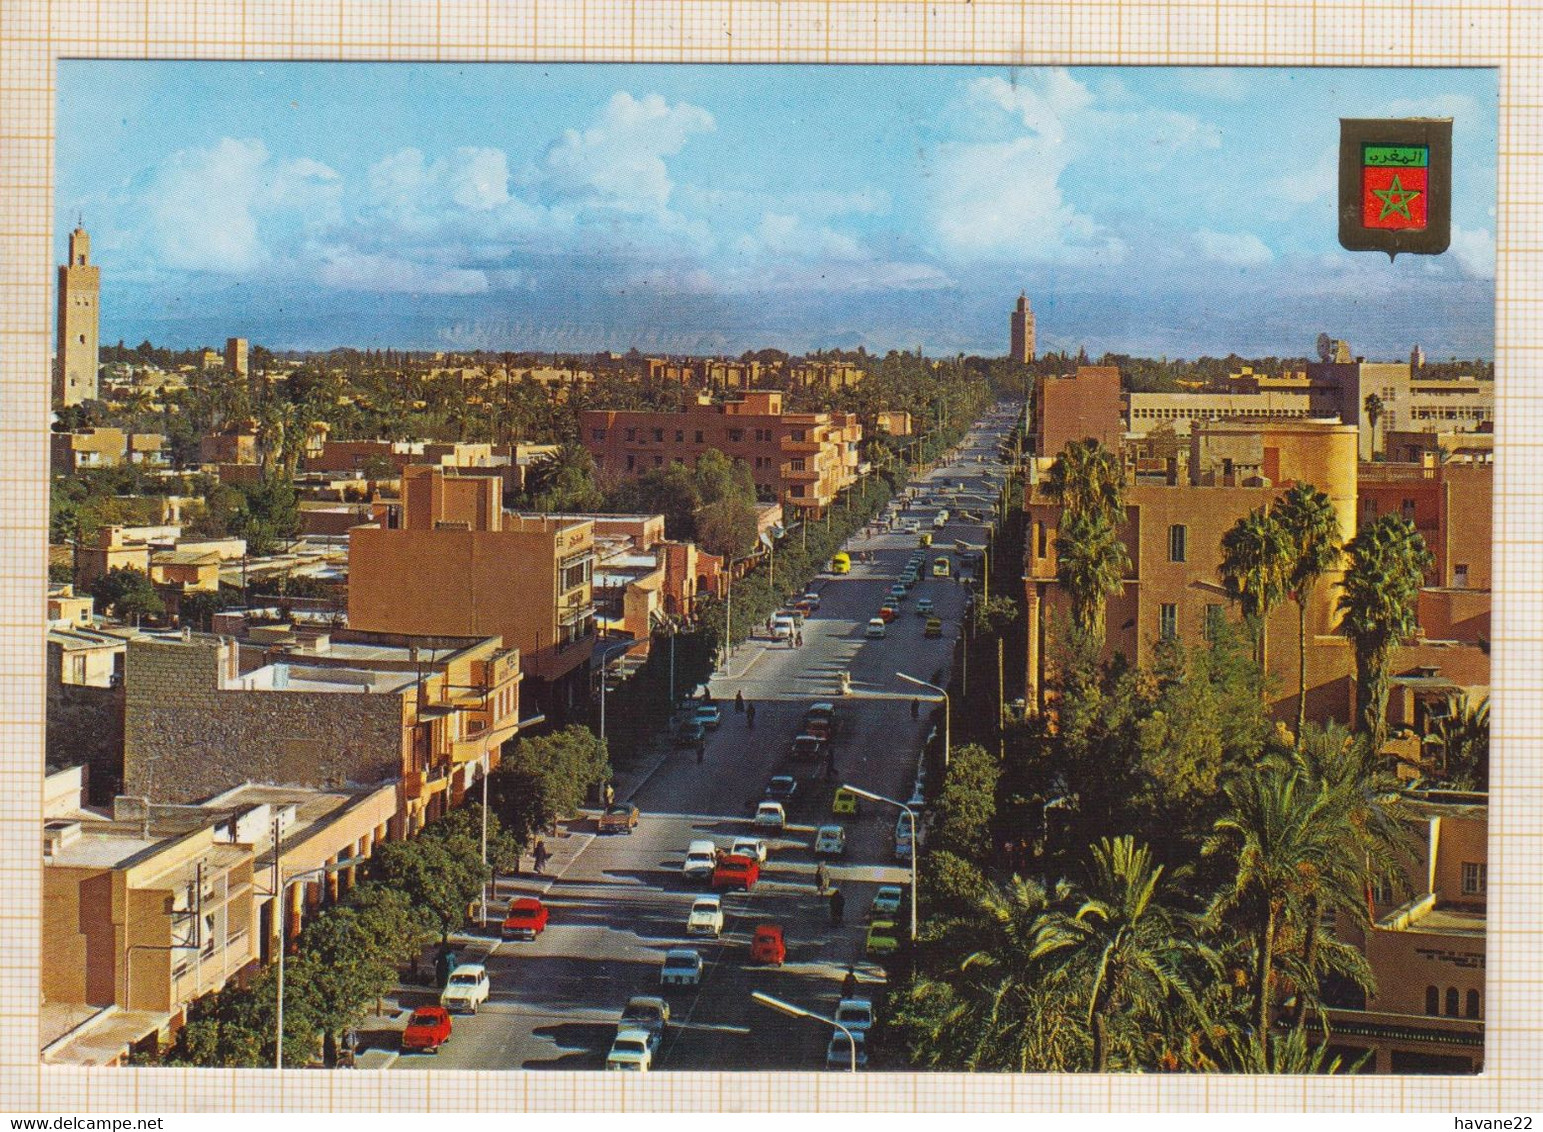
(1077, 406)
(1426, 948)
(206, 712)
(801, 460)
(1173, 531)
(820, 374)
(460, 565)
(641, 576)
(1405, 400)
(71, 452)
(234, 445)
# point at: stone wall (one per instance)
(185, 739)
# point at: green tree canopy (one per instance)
(127, 594)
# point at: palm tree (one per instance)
(1121, 952)
(1375, 410)
(1464, 735)
(1090, 563)
(1388, 561)
(1088, 479)
(1256, 562)
(1285, 840)
(1312, 525)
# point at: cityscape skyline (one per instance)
(706, 210)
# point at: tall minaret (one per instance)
(80, 292)
(1021, 324)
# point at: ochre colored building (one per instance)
(801, 460)
(1077, 406)
(460, 565)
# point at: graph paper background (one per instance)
(34, 33)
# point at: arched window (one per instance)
(1451, 1002)
(1473, 1004)
(1432, 1000)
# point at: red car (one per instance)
(768, 946)
(888, 612)
(427, 1030)
(734, 871)
(526, 919)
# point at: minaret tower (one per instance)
(76, 352)
(1021, 325)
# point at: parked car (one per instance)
(752, 847)
(807, 748)
(709, 716)
(876, 629)
(526, 918)
(883, 939)
(768, 945)
(924, 606)
(468, 988)
(621, 817)
(632, 1051)
(886, 901)
(780, 787)
(735, 872)
(844, 802)
(427, 1030)
(812, 598)
(830, 841)
(690, 734)
(856, 1014)
(888, 612)
(645, 1012)
(682, 968)
(782, 628)
(770, 815)
(701, 859)
(838, 1054)
(911, 527)
(706, 917)
(940, 520)
(934, 628)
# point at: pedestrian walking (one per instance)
(610, 793)
(837, 905)
(701, 751)
(749, 715)
(849, 984)
(798, 639)
(542, 856)
(916, 709)
(830, 762)
(821, 877)
(739, 701)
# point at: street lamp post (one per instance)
(915, 848)
(946, 713)
(799, 1012)
(283, 916)
(605, 660)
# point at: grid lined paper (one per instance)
(34, 33)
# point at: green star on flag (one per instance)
(1395, 199)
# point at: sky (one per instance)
(702, 209)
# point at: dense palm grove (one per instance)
(1148, 885)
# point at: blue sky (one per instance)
(721, 208)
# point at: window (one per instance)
(1451, 1002)
(1475, 878)
(736, 435)
(1177, 537)
(1168, 620)
(1215, 618)
(631, 462)
(1408, 509)
(1432, 1001)
(1044, 539)
(1473, 1004)
(1460, 575)
(658, 461)
(659, 435)
(797, 491)
(680, 436)
(699, 436)
(632, 434)
(575, 572)
(797, 434)
(597, 434)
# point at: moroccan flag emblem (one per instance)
(1394, 186)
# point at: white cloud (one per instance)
(1225, 83)
(479, 178)
(1235, 249)
(1474, 251)
(618, 162)
(1304, 184)
(226, 208)
(350, 271)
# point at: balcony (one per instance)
(807, 447)
(799, 475)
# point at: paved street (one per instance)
(618, 902)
